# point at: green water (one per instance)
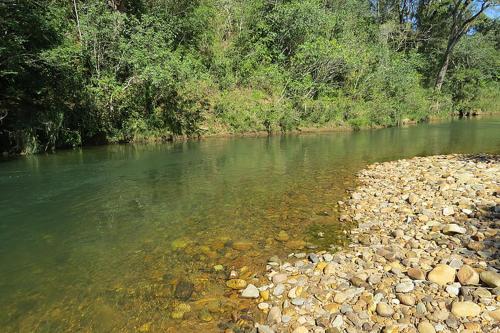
(86, 235)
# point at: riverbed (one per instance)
(99, 239)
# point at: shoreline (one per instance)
(423, 258)
(338, 128)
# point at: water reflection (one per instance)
(87, 236)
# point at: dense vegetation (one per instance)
(82, 72)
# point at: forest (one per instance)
(92, 72)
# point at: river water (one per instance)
(97, 239)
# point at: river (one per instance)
(97, 239)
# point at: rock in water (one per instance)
(295, 244)
(467, 275)
(250, 291)
(282, 236)
(236, 284)
(465, 309)
(184, 290)
(242, 246)
(491, 278)
(442, 274)
(205, 316)
(180, 310)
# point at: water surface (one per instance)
(95, 239)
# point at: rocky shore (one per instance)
(424, 256)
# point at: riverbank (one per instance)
(423, 258)
(306, 129)
(167, 137)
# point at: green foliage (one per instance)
(155, 70)
(474, 73)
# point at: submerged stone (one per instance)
(180, 243)
(183, 290)
(295, 244)
(242, 245)
(282, 236)
(236, 284)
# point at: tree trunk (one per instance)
(77, 21)
(446, 61)
(442, 71)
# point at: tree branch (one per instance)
(484, 6)
(3, 116)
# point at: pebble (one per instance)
(205, 316)
(467, 275)
(263, 306)
(490, 278)
(274, 315)
(183, 290)
(453, 289)
(384, 309)
(300, 329)
(416, 274)
(242, 245)
(442, 274)
(406, 299)
(279, 278)
(282, 236)
(421, 309)
(298, 301)
(465, 309)
(250, 291)
(179, 310)
(405, 287)
(495, 314)
(264, 329)
(236, 284)
(425, 327)
(447, 211)
(338, 322)
(279, 289)
(314, 258)
(421, 257)
(327, 257)
(295, 244)
(453, 228)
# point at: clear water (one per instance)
(86, 235)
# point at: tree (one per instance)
(463, 13)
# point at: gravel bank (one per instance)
(424, 257)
